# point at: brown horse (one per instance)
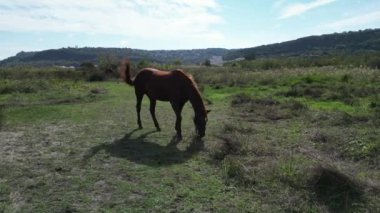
(173, 86)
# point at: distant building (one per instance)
(216, 60)
(237, 59)
(65, 67)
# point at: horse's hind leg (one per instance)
(153, 113)
(139, 97)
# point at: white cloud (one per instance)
(356, 21)
(177, 19)
(300, 8)
(124, 43)
(279, 3)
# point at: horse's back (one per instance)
(146, 76)
(162, 85)
(151, 75)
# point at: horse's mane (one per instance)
(196, 89)
(190, 77)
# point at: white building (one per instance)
(216, 60)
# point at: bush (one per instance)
(177, 62)
(207, 63)
(305, 90)
(143, 64)
(346, 78)
(27, 86)
(28, 73)
(96, 76)
(371, 60)
(374, 63)
(87, 66)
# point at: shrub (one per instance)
(25, 86)
(177, 62)
(143, 64)
(346, 78)
(96, 76)
(207, 63)
(374, 63)
(87, 66)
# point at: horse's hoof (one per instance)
(140, 127)
(200, 136)
(158, 129)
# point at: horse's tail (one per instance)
(125, 73)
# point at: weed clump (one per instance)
(319, 136)
(228, 146)
(268, 108)
(98, 91)
(334, 189)
(295, 106)
(335, 118)
(342, 118)
(26, 86)
(235, 170)
(346, 78)
(244, 99)
(240, 99)
(305, 90)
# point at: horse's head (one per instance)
(200, 122)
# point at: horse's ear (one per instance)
(208, 110)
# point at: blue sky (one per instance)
(174, 24)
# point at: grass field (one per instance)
(297, 140)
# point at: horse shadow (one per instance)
(141, 151)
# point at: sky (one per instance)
(32, 25)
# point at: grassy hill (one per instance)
(75, 56)
(367, 41)
(329, 44)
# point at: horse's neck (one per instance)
(197, 102)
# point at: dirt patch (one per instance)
(17, 200)
(10, 144)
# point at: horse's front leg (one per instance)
(178, 109)
(153, 113)
(178, 126)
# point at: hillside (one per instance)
(75, 56)
(337, 43)
(366, 41)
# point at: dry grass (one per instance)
(264, 152)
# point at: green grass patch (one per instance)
(73, 145)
